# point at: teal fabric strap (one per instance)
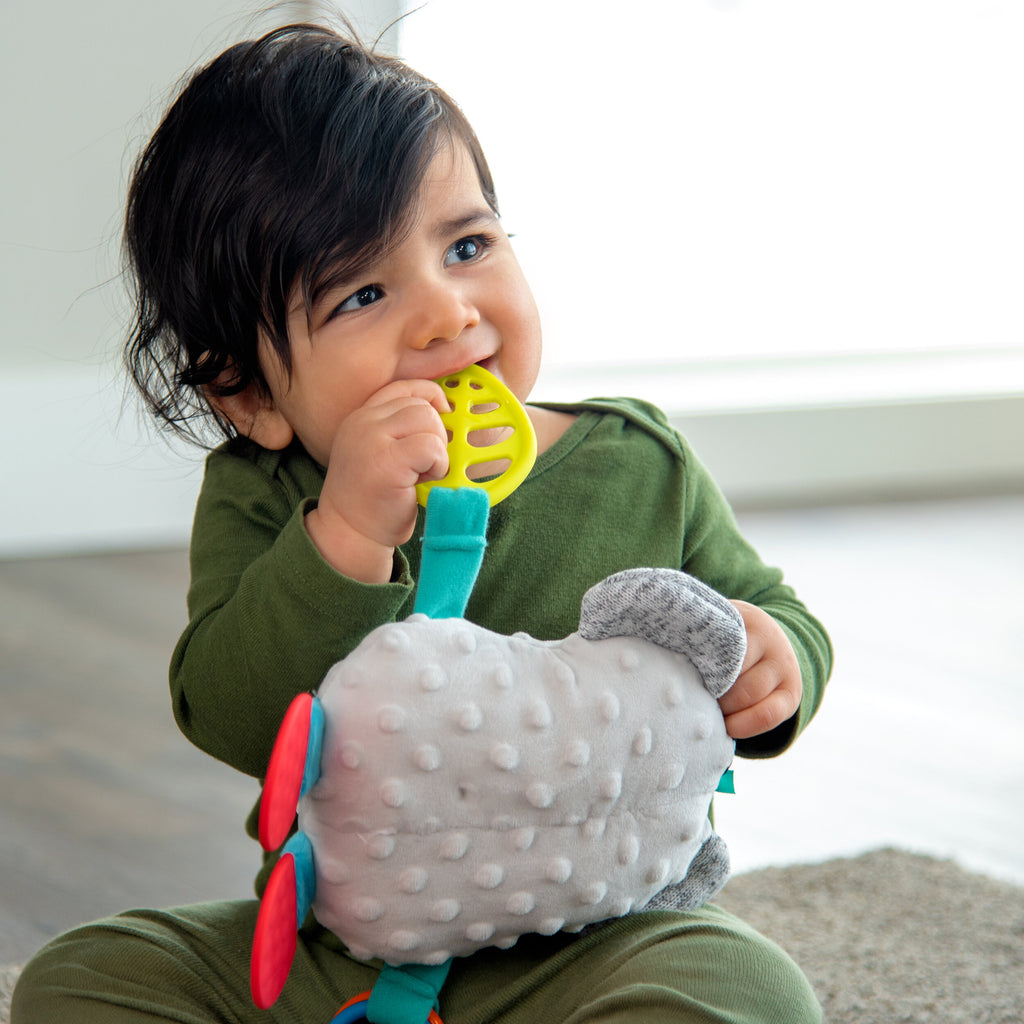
(406, 994)
(454, 538)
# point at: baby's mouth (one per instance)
(488, 363)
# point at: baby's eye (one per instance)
(366, 296)
(465, 250)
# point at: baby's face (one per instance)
(450, 295)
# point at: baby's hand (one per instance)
(768, 689)
(380, 452)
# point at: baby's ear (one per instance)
(253, 413)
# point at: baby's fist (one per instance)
(768, 689)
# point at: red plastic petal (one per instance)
(273, 946)
(284, 774)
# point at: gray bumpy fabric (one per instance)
(708, 873)
(673, 610)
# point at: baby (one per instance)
(314, 238)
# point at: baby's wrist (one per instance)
(347, 550)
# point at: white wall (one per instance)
(81, 87)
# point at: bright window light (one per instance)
(722, 180)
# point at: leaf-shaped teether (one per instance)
(479, 402)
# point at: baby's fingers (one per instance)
(764, 696)
(763, 716)
(422, 456)
(400, 391)
(416, 442)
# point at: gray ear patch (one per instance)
(673, 610)
(707, 875)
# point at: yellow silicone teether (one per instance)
(479, 402)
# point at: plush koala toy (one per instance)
(472, 787)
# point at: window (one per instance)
(824, 196)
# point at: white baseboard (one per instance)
(81, 471)
(898, 450)
(839, 428)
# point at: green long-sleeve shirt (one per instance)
(620, 489)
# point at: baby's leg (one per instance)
(702, 966)
(189, 965)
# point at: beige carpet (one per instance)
(886, 938)
(893, 938)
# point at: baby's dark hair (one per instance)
(286, 162)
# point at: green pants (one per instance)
(191, 965)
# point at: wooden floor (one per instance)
(103, 804)
(920, 743)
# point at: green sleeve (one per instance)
(716, 552)
(258, 583)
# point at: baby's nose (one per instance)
(442, 312)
